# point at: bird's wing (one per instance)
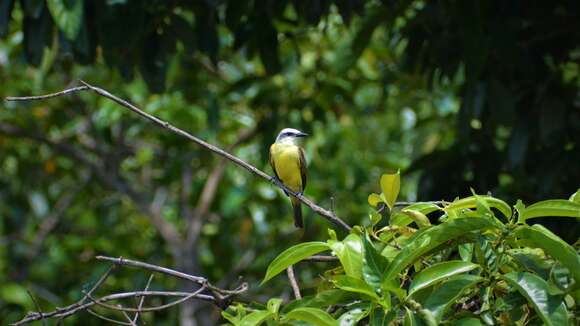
(303, 168)
(272, 163)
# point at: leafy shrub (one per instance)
(480, 264)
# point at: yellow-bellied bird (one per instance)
(289, 165)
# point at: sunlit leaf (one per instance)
(471, 202)
(374, 199)
(554, 207)
(350, 253)
(390, 186)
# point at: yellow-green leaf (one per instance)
(374, 199)
(390, 186)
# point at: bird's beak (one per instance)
(302, 134)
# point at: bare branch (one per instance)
(220, 297)
(293, 282)
(114, 321)
(101, 303)
(328, 215)
(142, 300)
(36, 305)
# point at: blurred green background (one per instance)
(455, 94)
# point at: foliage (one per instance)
(451, 94)
(477, 266)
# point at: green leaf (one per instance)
(538, 236)
(293, 255)
(390, 186)
(447, 294)
(312, 316)
(551, 309)
(419, 218)
(465, 251)
(424, 208)
(355, 313)
(352, 284)
(379, 317)
(439, 272)
(256, 318)
(349, 252)
(374, 264)
(554, 207)
(410, 318)
(575, 197)
(68, 16)
(274, 305)
(374, 199)
(471, 202)
(432, 238)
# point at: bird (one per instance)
(289, 165)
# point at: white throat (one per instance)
(287, 141)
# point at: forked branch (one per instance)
(205, 291)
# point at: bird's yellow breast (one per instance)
(286, 161)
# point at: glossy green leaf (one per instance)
(390, 186)
(374, 264)
(432, 238)
(448, 293)
(355, 313)
(465, 251)
(439, 272)
(471, 202)
(349, 252)
(538, 236)
(68, 16)
(554, 207)
(256, 318)
(312, 316)
(352, 284)
(293, 255)
(551, 309)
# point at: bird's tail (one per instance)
(298, 222)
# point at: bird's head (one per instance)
(289, 135)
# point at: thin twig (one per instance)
(328, 215)
(142, 300)
(111, 320)
(100, 302)
(293, 282)
(36, 305)
(74, 308)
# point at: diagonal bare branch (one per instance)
(328, 215)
